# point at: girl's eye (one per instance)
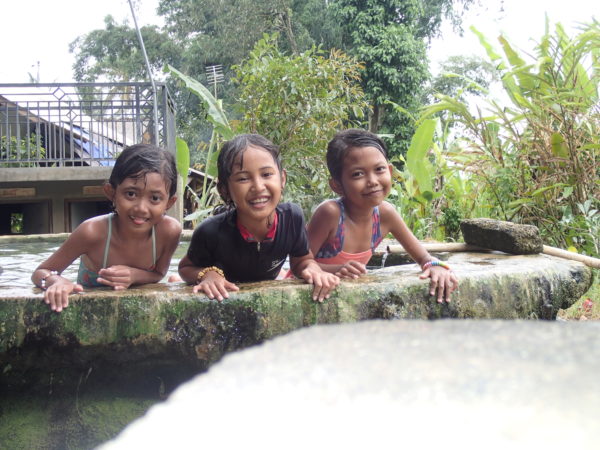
(381, 169)
(241, 179)
(130, 194)
(156, 198)
(268, 174)
(358, 173)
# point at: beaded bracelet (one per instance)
(43, 280)
(428, 264)
(209, 269)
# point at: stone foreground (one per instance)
(406, 384)
(165, 327)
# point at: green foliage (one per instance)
(537, 160)
(183, 157)
(113, 54)
(208, 197)
(299, 102)
(461, 75)
(22, 150)
(215, 113)
(390, 37)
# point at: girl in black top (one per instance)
(251, 241)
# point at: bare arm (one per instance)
(391, 222)
(443, 282)
(47, 274)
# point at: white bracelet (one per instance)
(43, 280)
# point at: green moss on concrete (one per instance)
(76, 421)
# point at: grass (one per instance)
(588, 306)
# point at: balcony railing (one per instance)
(80, 124)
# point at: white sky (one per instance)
(41, 30)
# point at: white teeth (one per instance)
(259, 200)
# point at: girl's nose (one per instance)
(142, 205)
(258, 184)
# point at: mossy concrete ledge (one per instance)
(166, 327)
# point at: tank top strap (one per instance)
(376, 237)
(108, 237)
(341, 229)
(153, 247)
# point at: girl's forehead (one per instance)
(151, 180)
(252, 153)
(358, 154)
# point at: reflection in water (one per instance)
(19, 260)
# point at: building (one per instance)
(58, 143)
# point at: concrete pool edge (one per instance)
(167, 325)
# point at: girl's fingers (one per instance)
(433, 286)
(317, 293)
(449, 289)
(196, 288)
(231, 287)
(208, 290)
(221, 291)
(357, 267)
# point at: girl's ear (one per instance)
(171, 201)
(336, 186)
(109, 191)
(283, 178)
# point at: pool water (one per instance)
(19, 260)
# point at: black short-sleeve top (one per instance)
(217, 241)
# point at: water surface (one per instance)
(19, 260)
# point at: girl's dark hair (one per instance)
(346, 140)
(236, 147)
(138, 160)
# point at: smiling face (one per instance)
(255, 185)
(366, 178)
(141, 201)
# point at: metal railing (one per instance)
(80, 124)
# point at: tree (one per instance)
(460, 75)
(299, 102)
(390, 37)
(113, 54)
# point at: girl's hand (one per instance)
(214, 285)
(323, 282)
(352, 269)
(118, 277)
(442, 280)
(57, 294)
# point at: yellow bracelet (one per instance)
(209, 269)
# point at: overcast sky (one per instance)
(41, 30)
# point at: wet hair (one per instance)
(344, 141)
(138, 160)
(234, 148)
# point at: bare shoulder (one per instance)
(387, 211)
(93, 229)
(329, 209)
(169, 227)
(391, 221)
